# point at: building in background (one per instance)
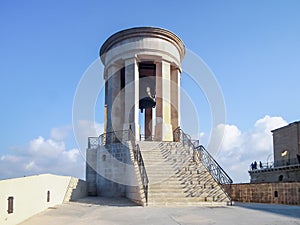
(286, 165)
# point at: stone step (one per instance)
(188, 203)
(165, 191)
(174, 179)
(187, 194)
(180, 201)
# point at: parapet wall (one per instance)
(278, 174)
(287, 193)
(111, 172)
(21, 198)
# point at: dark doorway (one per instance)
(147, 76)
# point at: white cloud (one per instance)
(232, 136)
(239, 148)
(60, 133)
(45, 148)
(50, 155)
(84, 129)
(89, 128)
(42, 155)
(71, 155)
(31, 166)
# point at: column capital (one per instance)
(174, 65)
(131, 60)
(112, 69)
(161, 60)
(178, 68)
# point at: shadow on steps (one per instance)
(106, 201)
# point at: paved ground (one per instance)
(121, 211)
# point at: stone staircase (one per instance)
(76, 189)
(175, 179)
(71, 187)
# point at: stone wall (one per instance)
(277, 193)
(112, 167)
(278, 174)
(33, 194)
(286, 139)
(91, 174)
(111, 172)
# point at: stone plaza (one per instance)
(110, 211)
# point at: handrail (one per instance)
(139, 159)
(213, 167)
(208, 161)
(143, 137)
(93, 142)
(114, 137)
(185, 139)
(270, 166)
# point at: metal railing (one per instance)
(114, 137)
(201, 154)
(185, 139)
(212, 166)
(108, 138)
(287, 162)
(262, 166)
(140, 162)
(143, 137)
(93, 142)
(273, 165)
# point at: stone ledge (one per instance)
(143, 32)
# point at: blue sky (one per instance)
(253, 48)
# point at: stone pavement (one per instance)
(106, 211)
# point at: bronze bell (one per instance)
(148, 101)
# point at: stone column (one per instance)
(114, 110)
(163, 128)
(105, 124)
(105, 130)
(175, 98)
(131, 112)
(148, 124)
(153, 122)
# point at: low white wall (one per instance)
(30, 195)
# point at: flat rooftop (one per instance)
(108, 211)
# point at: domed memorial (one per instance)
(142, 71)
(143, 154)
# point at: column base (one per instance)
(163, 132)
